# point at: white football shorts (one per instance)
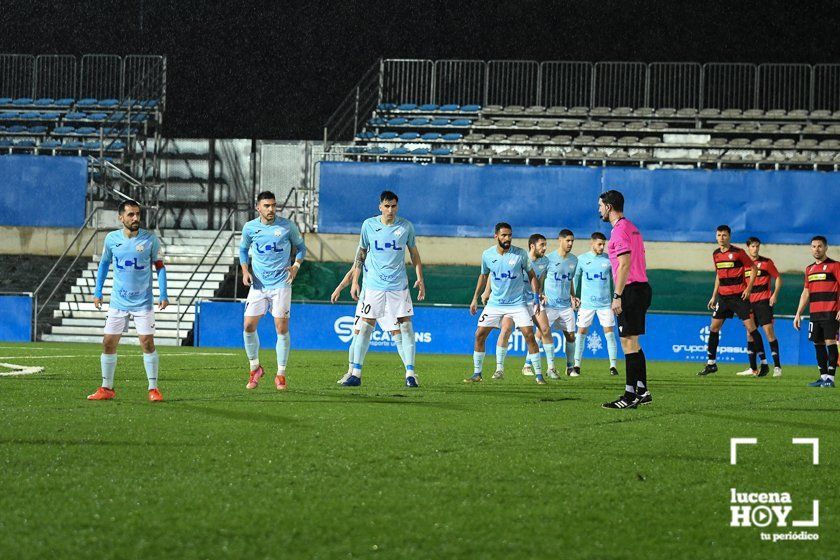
(563, 319)
(380, 304)
(278, 301)
(116, 322)
(387, 323)
(605, 317)
(492, 316)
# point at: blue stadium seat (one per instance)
(355, 150)
(75, 116)
(49, 144)
(388, 135)
(139, 117)
(431, 136)
(50, 116)
(16, 129)
(441, 152)
(71, 145)
(8, 116)
(453, 136)
(27, 143)
(64, 102)
(86, 131)
(6, 143)
(29, 115)
(409, 136)
(116, 116)
(378, 150)
(40, 129)
(93, 145)
(461, 122)
(429, 107)
(439, 122)
(378, 121)
(407, 107)
(108, 102)
(400, 151)
(22, 101)
(386, 106)
(471, 108)
(367, 135)
(6, 100)
(97, 117)
(115, 146)
(149, 103)
(420, 151)
(420, 121)
(397, 121)
(44, 102)
(86, 102)
(62, 130)
(449, 108)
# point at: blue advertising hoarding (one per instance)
(450, 330)
(15, 317)
(39, 191)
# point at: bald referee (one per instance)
(631, 299)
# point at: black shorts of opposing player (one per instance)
(635, 301)
(730, 306)
(820, 331)
(762, 312)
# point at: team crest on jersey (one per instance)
(512, 261)
(277, 233)
(140, 247)
(825, 267)
(731, 256)
(572, 267)
(398, 231)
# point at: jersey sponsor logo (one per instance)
(268, 248)
(127, 263)
(506, 275)
(344, 326)
(597, 276)
(388, 245)
(725, 265)
(817, 277)
(562, 277)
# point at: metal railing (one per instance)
(569, 83)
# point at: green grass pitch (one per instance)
(504, 469)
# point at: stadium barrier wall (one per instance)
(15, 317)
(42, 191)
(449, 330)
(667, 204)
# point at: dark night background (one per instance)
(276, 70)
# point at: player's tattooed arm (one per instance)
(358, 263)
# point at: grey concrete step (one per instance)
(179, 268)
(99, 322)
(172, 284)
(88, 306)
(188, 293)
(97, 331)
(97, 339)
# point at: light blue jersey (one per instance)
(540, 267)
(558, 280)
(506, 272)
(593, 281)
(133, 259)
(386, 248)
(268, 247)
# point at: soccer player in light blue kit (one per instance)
(594, 282)
(560, 293)
(133, 252)
(505, 265)
(266, 245)
(383, 244)
(536, 252)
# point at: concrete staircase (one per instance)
(79, 321)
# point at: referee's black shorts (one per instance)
(762, 312)
(729, 306)
(635, 301)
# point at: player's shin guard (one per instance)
(252, 348)
(774, 350)
(641, 373)
(822, 359)
(284, 344)
(536, 363)
(409, 346)
(501, 354)
(831, 367)
(631, 366)
(361, 345)
(578, 353)
(151, 362)
(612, 347)
(109, 365)
(478, 362)
(714, 338)
(570, 353)
(549, 353)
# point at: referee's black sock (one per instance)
(631, 373)
(641, 381)
(714, 338)
(831, 349)
(774, 350)
(759, 344)
(822, 359)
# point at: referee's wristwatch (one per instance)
(616, 295)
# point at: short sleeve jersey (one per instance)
(823, 283)
(132, 260)
(506, 272)
(558, 280)
(761, 287)
(627, 239)
(386, 247)
(268, 247)
(595, 277)
(730, 266)
(540, 267)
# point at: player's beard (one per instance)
(504, 245)
(134, 227)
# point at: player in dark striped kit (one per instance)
(822, 290)
(730, 297)
(762, 301)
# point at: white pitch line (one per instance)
(48, 356)
(19, 370)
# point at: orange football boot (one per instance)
(254, 378)
(102, 394)
(280, 382)
(155, 396)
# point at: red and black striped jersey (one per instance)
(823, 282)
(761, 287)
(730, 265)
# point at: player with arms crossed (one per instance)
(762, 301)
(134, 252)
(822, 290)
(730, 297)
(631, 299)
(387, 324)
(382, 246)
(266, 246)
(505, 265)
(536, 252)
(594, 282)
(560, 300)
